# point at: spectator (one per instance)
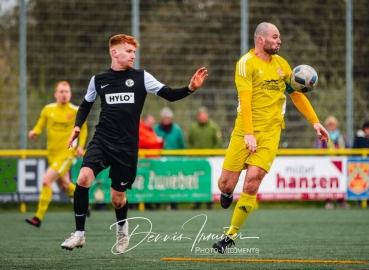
(362, 141)
(204, 134)
(337, 141)
(362, 137)
(171, 133)
(149, 140)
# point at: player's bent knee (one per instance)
(47, 181)
(46, 184)
(85, 178)
(83, 182)
(225, 186)
(117, 203)
(252, 188)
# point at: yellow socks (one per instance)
(71, 189)
(45, 198)
(242, 210)
(43, 202)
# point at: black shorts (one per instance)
(123, 164)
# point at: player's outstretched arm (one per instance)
(303, 105)
(198, 79)
(322, 132)
(174, 94)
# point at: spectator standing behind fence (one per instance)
(362, 137)
(362, 141)
(171, 133)
(337, 141)
(149, 140)
(204, 134)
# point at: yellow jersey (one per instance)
(59, 120)
(267, 82)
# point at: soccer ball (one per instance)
(304, 78)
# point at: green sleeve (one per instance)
(289, 88)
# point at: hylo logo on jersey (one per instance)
(130, 82)
(118, 98)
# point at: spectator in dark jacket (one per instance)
(362, 137)
(362, 141)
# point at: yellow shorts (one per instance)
(238, 156)
(61, 163)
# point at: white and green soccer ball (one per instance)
(304, 78)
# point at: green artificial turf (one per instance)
(282, 234)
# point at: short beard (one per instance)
(271, 51)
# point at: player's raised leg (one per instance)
(226, 183)
(243, 208)
(85, 179)
(233, 164)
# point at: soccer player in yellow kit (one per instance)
(262, 78)
(58, 118)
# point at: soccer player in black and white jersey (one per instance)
(122, 91)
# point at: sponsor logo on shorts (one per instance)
(123, 184)
(118, 98)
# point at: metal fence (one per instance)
(68, 40)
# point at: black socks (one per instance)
(121, 214)
(80, 207)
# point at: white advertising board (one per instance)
(294, 178)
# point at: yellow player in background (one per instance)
(262, 77)
(58, 118)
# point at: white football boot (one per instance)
(74, 241)
(122, 238)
